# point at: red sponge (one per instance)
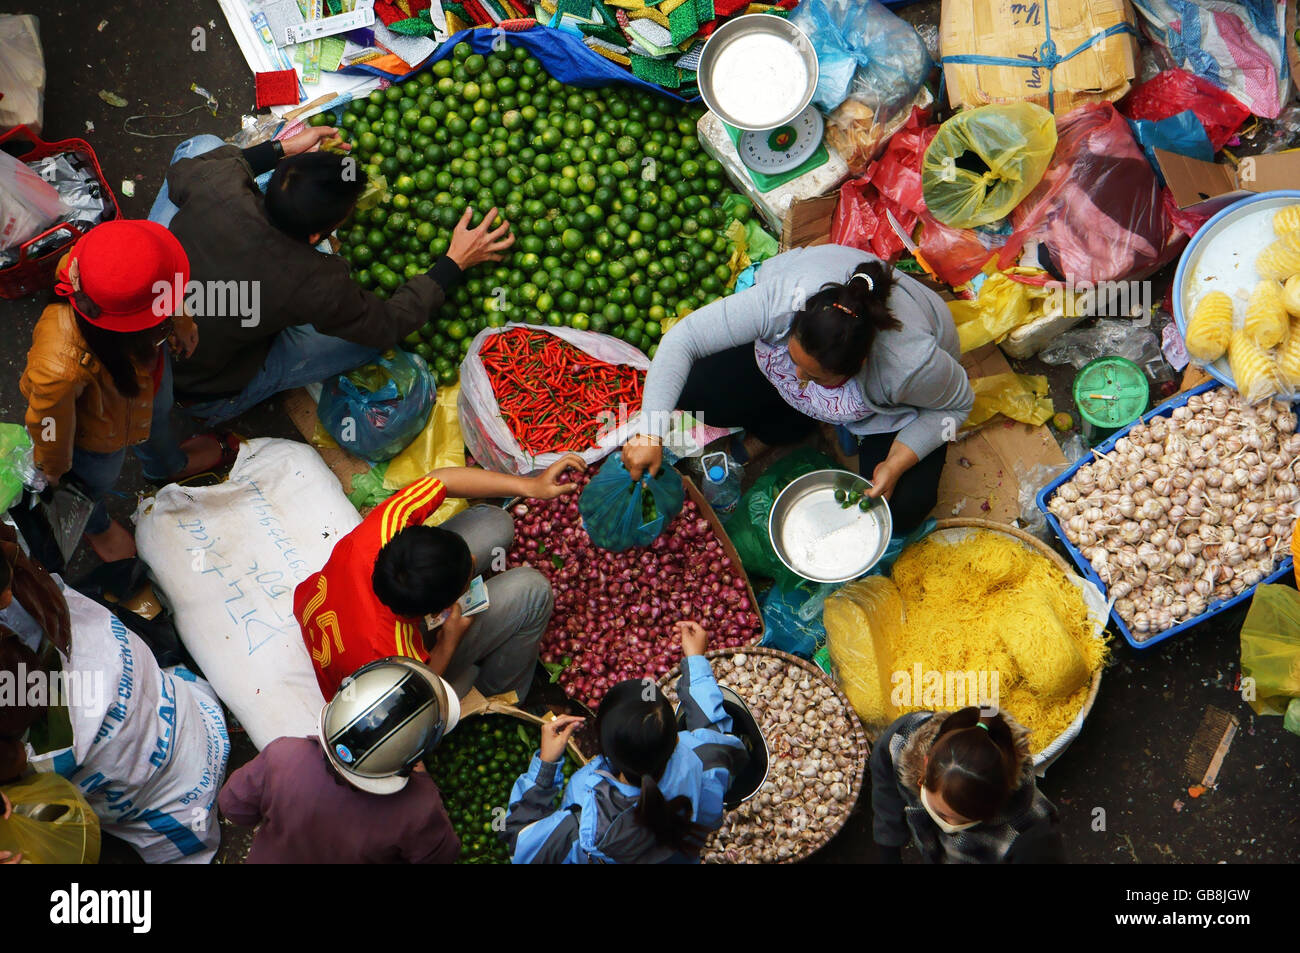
(277, 88)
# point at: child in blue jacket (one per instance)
(652, 795)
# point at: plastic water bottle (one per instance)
(722, 476)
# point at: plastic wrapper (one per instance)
(1031, 480)
(787, 628)
(1242, 46)
(368, 489)
(865, 53)
(16, 465)
(1098, 214)
(1002, 305)
(955, 255)
(377, 409)
(29, 203)
(619, 512)
(22, 74)
(859, 135)
(1176, 90)
(437, 446)
(1138, 343)
(83, 202)
(1270, 648)
(489, 438)
(51, 822)
(1021, 397)
(863, 620)
(984, 161)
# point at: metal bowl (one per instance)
(745, 727)
(816, 538)
(749, 72)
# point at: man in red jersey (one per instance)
(387, 578)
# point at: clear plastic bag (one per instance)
(1110, 339)
(22, 74)
(489, 438)
(51, 822)
(619, 512)
(863, 620)
(28, 203)
(1098, 213)
(984, 161)
(864, 52)
(379, 408)
(1270, 648)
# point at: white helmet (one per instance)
(384, 719)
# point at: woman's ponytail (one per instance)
(840, 322)
(669, 821)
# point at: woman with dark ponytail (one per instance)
(960, 786)
(653, 793)
(826, 334)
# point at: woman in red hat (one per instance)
(97, 361)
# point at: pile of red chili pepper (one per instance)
(553, 396)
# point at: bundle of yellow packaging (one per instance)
(983, 615)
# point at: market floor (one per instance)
(1121, 787)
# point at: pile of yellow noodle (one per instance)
(983, 604)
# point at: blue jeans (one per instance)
(163, 210)
(160, 456)
(299, 355)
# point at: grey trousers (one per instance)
(498, 651)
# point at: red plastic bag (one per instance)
(955, 255)
(1098, 214)
(1176, 90)
(860, 222)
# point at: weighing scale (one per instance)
(1110, 392)
(757, 74)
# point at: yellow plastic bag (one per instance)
(862, 622)
(51, 822)
(1021, 397)
(1004, 304)
(1270, 650)
(438, 445)
(984, 161)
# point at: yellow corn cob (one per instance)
(1255, 373)
(1210, 328)
(1287, 220)
(1266, 316)
(1281, 259)
(1288, 358)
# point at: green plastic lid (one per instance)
(1111, 392)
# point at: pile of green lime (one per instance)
(475, 767)
(615, 208)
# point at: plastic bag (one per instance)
(22, 74)
(984, 161)
(1241, 47)
(1175, 91)
(51, 822)
(747, 525)
(863, 620)
(864, 52)
(1110, 339)
(787, 628)
(15, 462)
(1021, 397)
(1098, 214)
(438, 445)
(489, 438)
(1270, 648)
(1004, 304)
(377, 409)
(1181, 134)
(28, 204)
(954, 255)
(619, 512)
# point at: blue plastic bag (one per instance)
(377, 409)
(865, 53)
(787, 628)
(1181, 133)
(614, 506)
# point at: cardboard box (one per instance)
(1205, 187)
(1018, 29)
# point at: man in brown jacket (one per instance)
(273, 311)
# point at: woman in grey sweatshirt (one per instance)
(825, 334)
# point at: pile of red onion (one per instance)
(614, 612)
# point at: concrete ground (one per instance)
(1121, 788)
